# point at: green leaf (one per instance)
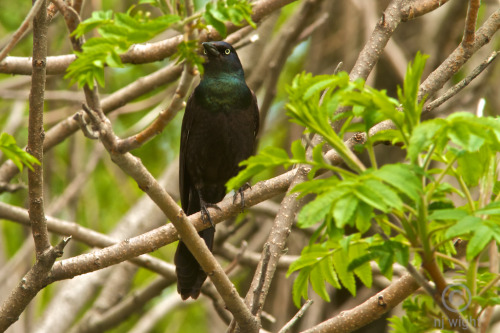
(328, 272)
(319, 86)
(464, 226)
(448, 214)
(367, 193)
(318, 282)
(210, 18)
(187, 51)
(308, 258)
(316, 186)
(409, 96)
(317, 209)
(402, 177)
(344, 209)
(17, 155)
(298, 151)
(118, 34)
(493, 208)
(423, 136)
(97, 19)
(341, 263)
(460, 134)
(234, 11)
(300, 286)
(482, 236)
(473, 165)
(364, 270)
(363, 215)
(269, 157)
(391, 135)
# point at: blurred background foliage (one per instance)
(106, 194)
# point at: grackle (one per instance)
(218, 132)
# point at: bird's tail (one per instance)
(190, 275)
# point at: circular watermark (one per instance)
(456, 297)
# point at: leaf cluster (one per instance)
(118, 31)
(400, 210)
(235, 11)
(13, 152)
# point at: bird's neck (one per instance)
(223, 91)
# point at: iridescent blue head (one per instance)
(221, 59)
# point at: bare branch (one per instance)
(418, 8)
(176, 104)
(16, 36)
(459, 57)
(470, 23)
(36, 133)
(461, 85)
(375, 307)
(299, 314)
(141, 53)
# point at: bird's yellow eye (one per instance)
(227, 51)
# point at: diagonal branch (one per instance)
(163, 119)
(143, 53)
(462, 84)
(134, 168)
(459, 57)
(372, 309)
(16, 36)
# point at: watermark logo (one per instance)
(456, 297)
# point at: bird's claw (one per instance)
(240, 192)
(205, 214)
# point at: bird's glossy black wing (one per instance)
(184, 179)
(254, 108)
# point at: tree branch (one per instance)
(36, 133)
(470, 23)
(459, 57)
(16, 36)
(419, 8)
(461, 85)
(165, 116)
(369, 311)
(141, 53)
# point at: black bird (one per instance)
(218, 132)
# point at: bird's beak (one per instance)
(210, 49)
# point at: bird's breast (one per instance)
(223, 95)
(218, 142)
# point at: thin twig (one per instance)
(462, 84)
(163, 118)
(8, 187)
(237, 258)
(16, 36)
(418, 8)
(297, 316)
(459, 57)
(256, 304)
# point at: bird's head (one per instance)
(220, 57)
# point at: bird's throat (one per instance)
(223, 93)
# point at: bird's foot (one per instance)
(205, 214)
(240, 191)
